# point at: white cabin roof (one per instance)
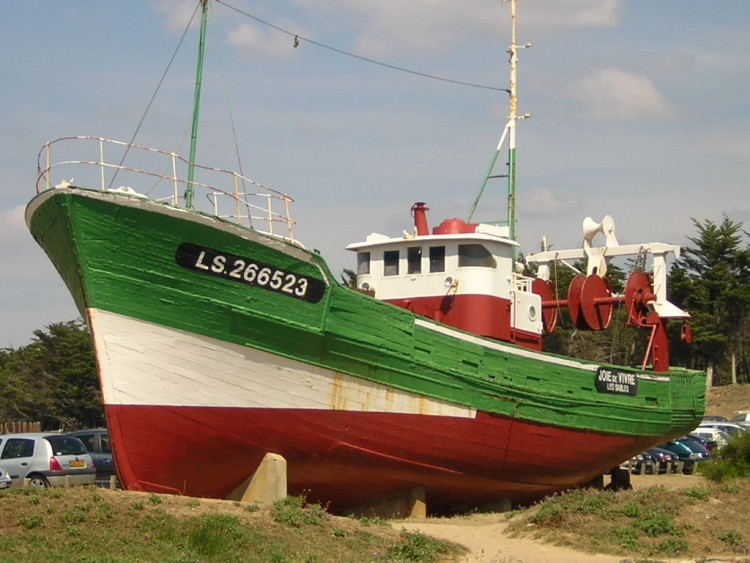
(484, 232)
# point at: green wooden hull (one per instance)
(136, 259)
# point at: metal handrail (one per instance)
(264, 206)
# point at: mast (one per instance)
(196, 106)
(509, 132)
(512, 116)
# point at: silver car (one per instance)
(742, 418)
(5, 480)
(46, 459)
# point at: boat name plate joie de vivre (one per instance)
(614, 381)
(249, 272)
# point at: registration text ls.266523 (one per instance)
(248, 271)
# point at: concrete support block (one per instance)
(267, 485)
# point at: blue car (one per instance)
(698, 445)
(684, 453)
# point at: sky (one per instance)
(639, 109)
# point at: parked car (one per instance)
(708, 445)
(696, 445)
(5, 480)
(712, 434)
(742, 418)
(640, 463)
(714, 418)
(663, 460)
(731, 428)
(686, 455)
(46, 459)
(98, 447)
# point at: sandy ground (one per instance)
(485, 534)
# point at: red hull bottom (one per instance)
(343, 459)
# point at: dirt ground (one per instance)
(485, 534)
(727, 400)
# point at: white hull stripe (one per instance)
(142, 363)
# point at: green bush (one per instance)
(730, 462)
(550, 514)
(294, 511)
(417, 547)
(631, 509)
(658, 523)
(734, 539)
(672, 546)
(31, 521)
(697, 493)
(628, 537)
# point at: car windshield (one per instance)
(66, 445)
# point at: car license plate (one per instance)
(4, 485)
(78, 463)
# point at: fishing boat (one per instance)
(220, 338)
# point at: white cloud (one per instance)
(613, 93)
(570, 14)
(392, 26)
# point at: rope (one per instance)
(156, 91)
(229, 104)
(298, 38)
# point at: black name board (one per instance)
(615, 381)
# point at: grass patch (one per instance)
(734, 540)
(651, 523)
(213, 532)
(294, 511)
(418, 547)
(97, 526)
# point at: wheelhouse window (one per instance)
(475, 255)
(414, 260)
(363, 263)
(390, 262)
(437, 259)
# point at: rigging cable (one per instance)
(298, 38)
(156, 91)
(229, 106)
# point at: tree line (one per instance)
(54, 379)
